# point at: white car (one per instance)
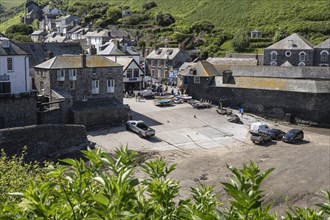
(140, 128)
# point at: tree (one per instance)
(202, 26)
(113, 14)
(149, 5)
(164, 19)
(20, 29)
(240, 41)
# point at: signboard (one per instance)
(4, 77)
(132, 79)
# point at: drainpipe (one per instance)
(25, 72)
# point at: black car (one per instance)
(293, 136)
(276, 134)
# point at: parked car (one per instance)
(260, 138)
(258, 127)
(293, 135)
(140, 128)
(276, 134)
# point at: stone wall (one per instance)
(18, 110)
(44, 142)
(310, 107)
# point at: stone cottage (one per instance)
(81, 89)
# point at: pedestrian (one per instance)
(241, 110)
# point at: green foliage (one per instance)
(113, 15)
(21, 29)
(202, 26)
(165, 19)
(240, 41)
(105, 187)
(134, 19)
(149, 5)
(15, 175)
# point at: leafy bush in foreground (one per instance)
(105, 188)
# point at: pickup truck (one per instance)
(140, 128)
(260, 138)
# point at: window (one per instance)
(302, 56)
(42, 87)
(10, 64)
(273, 63)
(197, 80)
(273, 55)
(129, 73)
(5, 87)
(72, 74)
(110, 86)
(72, 85)
(301, 64)
(60, 75)
(287, 53)
(324, 56)
(136, 73)
(95, 87)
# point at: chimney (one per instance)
(181, 47)
(93, 50)
(83, 60)
(50, 55)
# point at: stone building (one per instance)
(17, 101)
(32, 12)
(162, 61)
(293, 49)
(272, 92)
(322, 54)
(85, 90)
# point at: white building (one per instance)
(14, 68)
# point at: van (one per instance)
(258, 127)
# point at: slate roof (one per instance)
(126, 61)
(233, 61)
(103, 33)
(75, 61)
(298, 42)
(163, 53)
(324, 44)
(14, 49)
(203, 69)
(287, 64)
(38, 52)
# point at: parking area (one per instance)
(201, 142)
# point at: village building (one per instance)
(39, 36)
(255, 34)
(81, 89)
(17, 101)
(322, 54)
(32, 12)
(293, 49)
(162, 61)
(50, 13)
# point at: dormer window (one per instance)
(324, 56)
(273, 55)
(5, 42)
(158, 51)
(302, 56)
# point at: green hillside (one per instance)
(274, 18)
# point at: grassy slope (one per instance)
(230, 15)
(11, 3)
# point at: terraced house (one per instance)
(81, 89)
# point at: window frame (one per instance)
(95, 87)
(10, 64)
(111, 83)
(324, 56)
(60, 75)
(273, 56)
(197, 79)
(302, 56)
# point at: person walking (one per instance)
(241, 110)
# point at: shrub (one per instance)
(202, 26)
(106, 188)
(164, 19)
(149, 5)
(240, 41)
(113, 14)
(21, 29)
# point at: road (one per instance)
(201, 143)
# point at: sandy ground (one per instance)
(202, 142)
